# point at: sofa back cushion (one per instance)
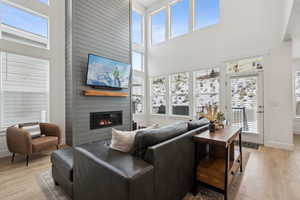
(197, 123)
(150, 137)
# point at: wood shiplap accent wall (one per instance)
(99, 27)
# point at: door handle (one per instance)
(260, 112)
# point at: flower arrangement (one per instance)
(211, 113)
(215, 118)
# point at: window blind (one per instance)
(24, 89)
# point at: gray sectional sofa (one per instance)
(160, 167)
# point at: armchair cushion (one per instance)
(44, 142)
(51, 130)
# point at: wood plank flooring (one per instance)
(271, 174)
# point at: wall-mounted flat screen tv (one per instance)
(104, 72)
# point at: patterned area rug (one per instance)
(53, 192)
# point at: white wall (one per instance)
(56, 56)
(278, 97)
(288, 6)
(247, 28)
(296, 47)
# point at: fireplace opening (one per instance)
(105, 119)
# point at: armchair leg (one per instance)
(27, 160)
(57, 146)
(13, 157)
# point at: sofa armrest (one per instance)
(103, 173)
(51, 130)
(18, 141)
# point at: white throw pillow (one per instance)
(124, 140)
(34, 130)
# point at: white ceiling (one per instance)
(147, 3)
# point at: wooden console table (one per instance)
(221, 162)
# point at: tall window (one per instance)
(23, 20)
(206, 13)
(297, 93)
(180, 94)
(159, 95)
(25, 89)
(137, 61)
(137, 28)
(137, 95)
(179, 18)
(206, 89)
(158, 27)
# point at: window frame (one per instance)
(194, 87)
(194, 24)
(142, 60)
(17, 32)
(170, 37)
(4, 56)
(190, 92)
(166, 95)
(142, 28)
(143, 95)
(162, 9)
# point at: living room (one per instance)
(100, 96)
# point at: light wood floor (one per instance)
(270, 174)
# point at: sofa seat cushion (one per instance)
(44, 142)
(62, 160)
(197, 123)
(150, 137)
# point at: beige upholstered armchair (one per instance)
(20, 141)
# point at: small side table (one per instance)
(222, 161)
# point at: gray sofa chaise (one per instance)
(161, 167)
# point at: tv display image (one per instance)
(104, 72)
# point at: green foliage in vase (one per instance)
(220, 116)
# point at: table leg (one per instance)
(241, 152)
(226, 172)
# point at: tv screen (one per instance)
(104, 72)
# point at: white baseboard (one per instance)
(279, 145)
